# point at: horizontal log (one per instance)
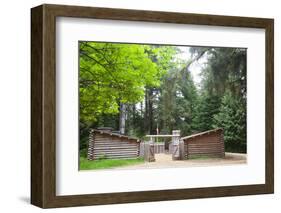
(115, 145)
(204, 152)
(205, 145)
(195, 150)
(189, 150)
(204, 142)
(115, 141)
(122, 157)
(116, 149)
(115, 155)
(114, 152)
(206, 148)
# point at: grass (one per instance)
(86, 164)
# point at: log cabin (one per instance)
(105, 144)
(209, 143)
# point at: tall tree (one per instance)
(163, 56)
(225, 70)
(207, 107)
(232, 118)
(177, 101)
(112, 74)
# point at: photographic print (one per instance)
(146, 106)
(148, 97)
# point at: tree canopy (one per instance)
(112, 73)
(140, 89)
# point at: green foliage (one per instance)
(86, 164)
(158, 91)
(84, 136)
(207, 107)
(224, 77)
(226, 70)
(177, 102)
(232, 118)
(111, 74)
(83, 152)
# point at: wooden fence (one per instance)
(159, 148)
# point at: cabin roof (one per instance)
(201, 133)
(115, 135)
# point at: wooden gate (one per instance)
(159, 148)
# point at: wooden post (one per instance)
(182, 151)
(176, 146)
(146, 151)
(149, 151)
(141, 152)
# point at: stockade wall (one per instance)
(112, 146)
(159, 148)
(171, 148)
(210, 144)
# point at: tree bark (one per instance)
(122, 118)
(146, 106)
(148, 116)
(150, 112)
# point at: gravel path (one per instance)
(165, 161)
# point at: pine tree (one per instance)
(232, 118)
(207, 107)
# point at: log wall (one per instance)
(209, 144)
(112, 146)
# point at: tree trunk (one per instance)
(122, 118)
(148, 116)
(150, 112)
(134, 116)
(146, 106)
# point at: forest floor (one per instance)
(165, 161)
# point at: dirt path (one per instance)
(165, 161)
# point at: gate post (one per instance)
(149, 151)
(182, 150)
(176, 145)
